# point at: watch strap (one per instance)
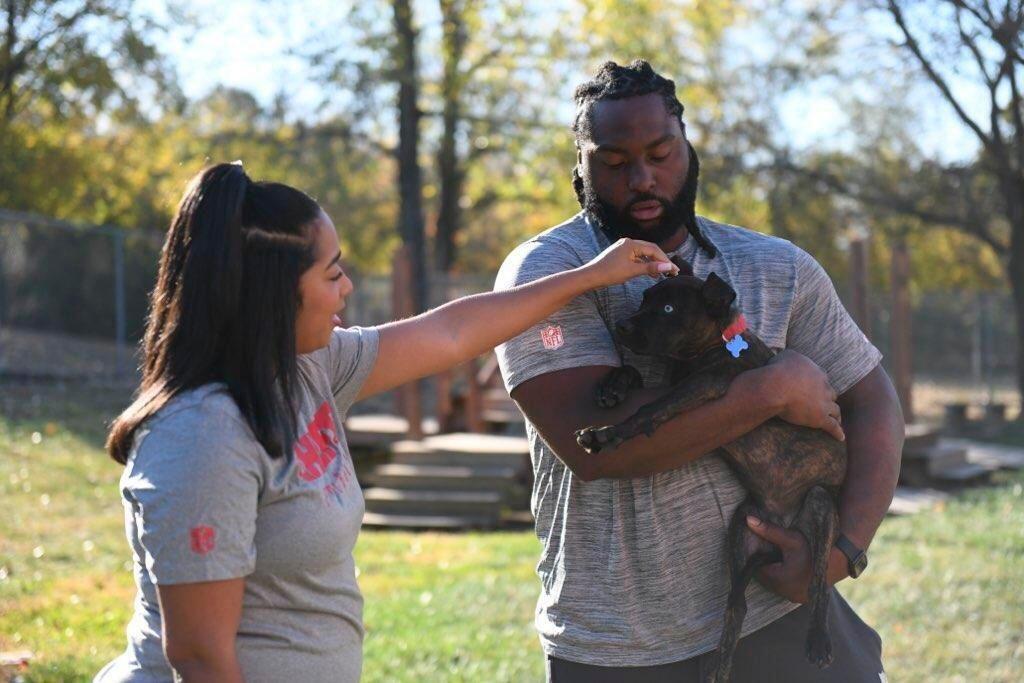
(857, 559)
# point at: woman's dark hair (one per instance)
(225, 304)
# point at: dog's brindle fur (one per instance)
(792, 473)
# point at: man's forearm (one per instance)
(686, 437)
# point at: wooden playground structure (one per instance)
(466, 466)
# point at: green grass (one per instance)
(945, 589)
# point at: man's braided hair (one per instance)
(616, 82)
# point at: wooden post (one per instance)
(407, 398)
(445, 409)
(474, 401)
(859, 280)
(900, 328)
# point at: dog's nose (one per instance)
(624, 328)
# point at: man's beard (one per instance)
(676, 213)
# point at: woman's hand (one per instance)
(462, 329)
(627, 259)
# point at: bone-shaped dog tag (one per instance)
(736, 346)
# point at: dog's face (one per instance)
(679, 316)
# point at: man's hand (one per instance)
(802, 394)
(791, 578)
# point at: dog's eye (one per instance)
(668, 308)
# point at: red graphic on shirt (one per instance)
(552, 337)
(318, 447)
(203, 539)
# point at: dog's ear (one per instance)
(718, 296)
(682, 264)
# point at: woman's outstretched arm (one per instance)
(446, 336)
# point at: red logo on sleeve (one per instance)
(203, 539)
(552, 337)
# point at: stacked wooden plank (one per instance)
(448, 481)
(380, 430)
(465, 480)
(932, 462)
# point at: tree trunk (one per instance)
(1011, 184)
(859, 281)
(449, 216)
(901, 342)
(7, 66)
(410, 177)
(450, 172)
(1016, 268)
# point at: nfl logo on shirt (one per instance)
(552, 337)
(203, 539)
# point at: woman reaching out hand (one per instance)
(241, 504)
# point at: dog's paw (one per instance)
(819, 648)
(610, 395)
(614, 389)
(596, 439)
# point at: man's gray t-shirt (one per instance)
(204, 501)
(633, 571)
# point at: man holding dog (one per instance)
(633, 566)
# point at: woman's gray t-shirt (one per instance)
(204, 501)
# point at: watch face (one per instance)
(858, 565)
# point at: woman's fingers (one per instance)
(658, 268)
(657, 261)
(629, 258)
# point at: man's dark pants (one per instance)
(773, 654)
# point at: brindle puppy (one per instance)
(792, 473)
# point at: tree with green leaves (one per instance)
(76, 57)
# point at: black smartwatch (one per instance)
(857, 559)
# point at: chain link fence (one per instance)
(72, 298)
(958, 336)
(73, 303)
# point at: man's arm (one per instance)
(561, 402)
(875, 431)
(874, 425)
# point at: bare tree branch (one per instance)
(989, 21)
(482, 61)
(970, 224)
(979, 59)
(937, 79)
